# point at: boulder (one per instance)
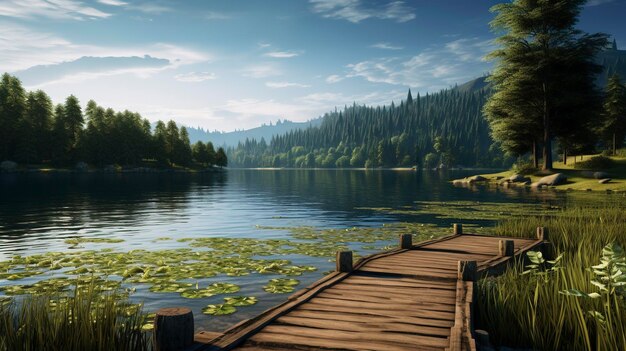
(587, 174)
(554, 179)
(517, 178)
(476, 178)
(604, 181)
(600, 175)
(8, 166)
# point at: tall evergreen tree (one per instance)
(73, 120)
(614, 126)
(220, 158)
(12, 108)
(537, 98)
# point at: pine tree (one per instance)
(537, 98)
(614, 126)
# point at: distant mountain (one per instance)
(264, 131)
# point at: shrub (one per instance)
(523, 167)
(596, 163)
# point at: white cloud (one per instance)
(261, 71)
(212, 15)
(285, 85)
(470, 49)
(113, 2)
(263, 45)
(333, 78)
(387, 46)
(55, 9)
(195, 77)
(355, 11)
(282, 54)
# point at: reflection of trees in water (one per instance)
(38, 202)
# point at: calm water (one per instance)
(38, 212)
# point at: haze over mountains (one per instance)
(613, 60)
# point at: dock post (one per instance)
(506, 248)
(344, 261)
(542, 233)
(406, 241)
(173, 329)
(458, 228)
(467, 271)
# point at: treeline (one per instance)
(445, 128)
(34, 131)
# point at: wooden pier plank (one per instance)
(396, 300)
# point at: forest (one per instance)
(33, 131)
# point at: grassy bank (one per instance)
(86, 320)
(576, 303)
(577, 179)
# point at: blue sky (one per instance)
(235, 64)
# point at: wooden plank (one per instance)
(414, 303)
(299, 342)
(336, 335)
(446, 316)
(364, 327)
(392, 292)
(356, 317)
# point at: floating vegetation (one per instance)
(78, 241)
(281, 285)
(240, 300)
(219, 309)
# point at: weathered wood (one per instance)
(413, 297)
(457, 228)
(506, 247)
(173, 329)
(344, 261)
(467, 270)
(406, 241)
(542, 234)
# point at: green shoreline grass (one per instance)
(575, 178)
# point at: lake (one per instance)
(163, 220)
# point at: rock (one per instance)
(600, 175)
(554, 179)
(499, 177)
(517, 178)
(587, 174)
(7, 166)
(604, 181)
(476, 178)
(459, 182)
(527, 183)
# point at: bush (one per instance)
(596, 163)
(523, 167)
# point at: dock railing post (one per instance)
(406, 241)
(506, 248)
(344, 261)
(458, 228)
(542, 233)
(173, 329)
(546, 247)
(467, 271)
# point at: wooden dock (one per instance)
(416, 297)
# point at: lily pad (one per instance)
(240, 300)
(219, 309)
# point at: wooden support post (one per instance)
(542, 233)
(406, 241)
(506, 247)
(173, 329)
(468, 271)
(344, 261)
(458, 228)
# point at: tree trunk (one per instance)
(565, 157)
(547, 139)
(535, 158)
(614, 145)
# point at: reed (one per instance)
(576, 303)
(88, 319)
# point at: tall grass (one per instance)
(536, 310)
(87, 320)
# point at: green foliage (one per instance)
(523, 167)
(536, 98)
(85, 320)
(596, 163)
(384, 136)
(573, 303)
(613, 129)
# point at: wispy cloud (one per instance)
(386, 46)
(113, 2)
(285, 85)
(470, 49)
(261, 71)
(195, 77)
(355, 11)
(334, 78)
(56, 9)
(212, 15)
(597, 2)
(282, 54)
